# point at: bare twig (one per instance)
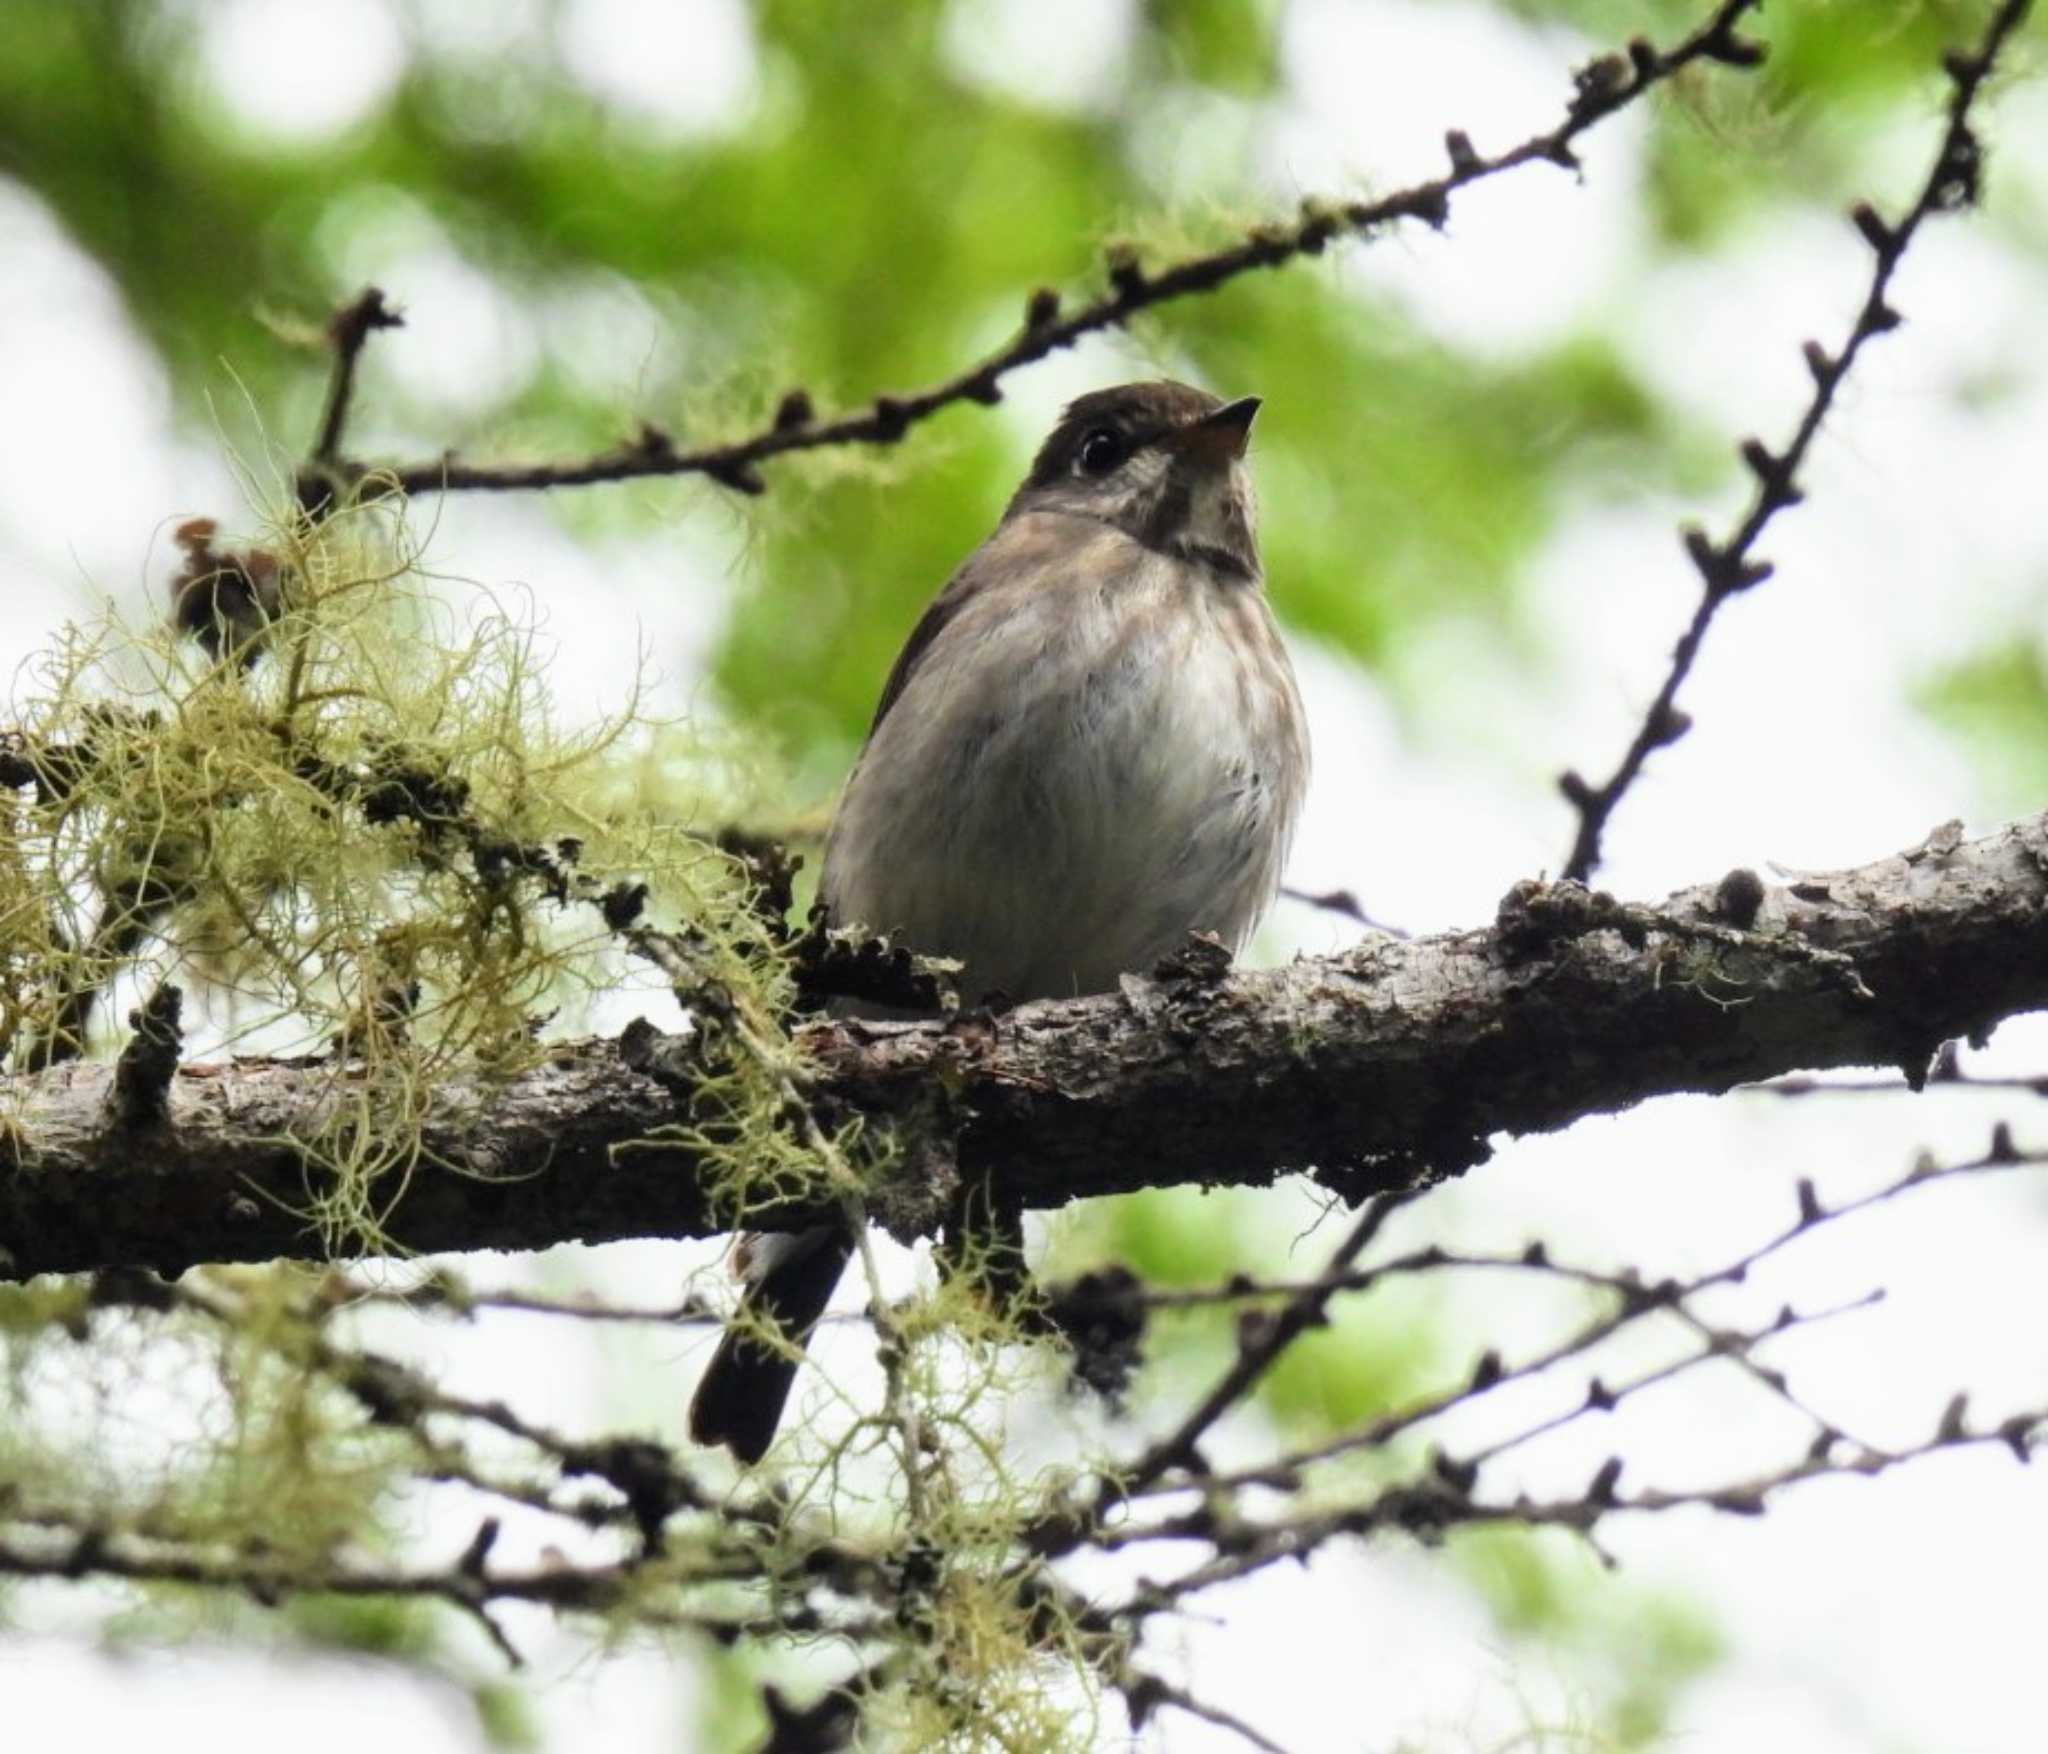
(741, 1569)
(1258, 1347)
(348, 330)
(104, 1553)
(1952, 1079)
(1146, 1694)
(1729, 568)
(1638, 1299)
(1428, 1509)
(1607, 85)
(1343, 902)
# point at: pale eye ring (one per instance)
(1101, 451)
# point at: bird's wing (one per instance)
(938, 614)
(1037, 545)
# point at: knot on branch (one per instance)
(142, 1078)
(891, 418)
(354, 323)
(393, 788)
(130, 1287)
(738, 474)
(1201, 960)
(1724, 570)
(1723, 43)
(1101, 1317)
(1739, 897)
(622, 904)
(1534, 915)
(832, 963)
(1958, 178)
(643, 1473)
(771, 870)
(1600, 82)
(1319, 224)
(389, 1393)
(675, 1061)
(823, 1727)
(1126, 273)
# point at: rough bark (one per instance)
(1390, 1063)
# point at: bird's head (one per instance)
(1163, 462)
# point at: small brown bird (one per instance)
(1090, 746)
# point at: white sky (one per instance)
(1896, 1615)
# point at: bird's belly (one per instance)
(1079, 828)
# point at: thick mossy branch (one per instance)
(372, 847)
(1375, 1068)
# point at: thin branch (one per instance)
(1145, 1694)
(1722, 1345)
(1627, 1287)
(348, 330)
(267, 1579)
(1345, 904)
(1604, 87)
(1258, 1348)
(1429, 1510)
(2036, 1085)
(1729, 568)
(2001, 1157)
(856, 1590)
(442, 1291)
(1285, 1472)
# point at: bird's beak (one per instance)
(1219, 438)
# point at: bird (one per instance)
(1091, 746)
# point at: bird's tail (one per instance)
(790, 1278)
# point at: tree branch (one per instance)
(1380, 1068)
(1600, 89)
(348, 329)
(1729, 568)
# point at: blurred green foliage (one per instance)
(878, 221)
(1635, 1649)
(1370, 1355)
(1997, 703)
(413, 1632)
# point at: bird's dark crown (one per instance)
(1136, 413)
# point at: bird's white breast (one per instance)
(1088, 763)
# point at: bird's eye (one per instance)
(1101, 451)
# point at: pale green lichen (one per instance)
(377, 835)
(375, 846)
